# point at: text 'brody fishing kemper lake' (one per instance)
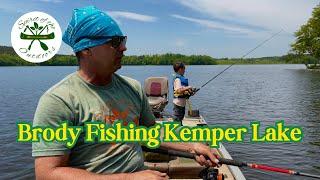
(153, 136)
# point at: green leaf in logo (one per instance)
(32, 28)
(40, 27)
(36, 25)
(43, 45)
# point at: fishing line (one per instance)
(246, 54)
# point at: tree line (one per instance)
(9, 58)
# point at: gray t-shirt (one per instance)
(78, 101)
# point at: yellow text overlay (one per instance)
(98, 132)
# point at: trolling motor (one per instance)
(192, 112)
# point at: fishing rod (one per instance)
(234, 163)
(246, 54)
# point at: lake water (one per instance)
(242, 94)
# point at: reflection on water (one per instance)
(242, 94)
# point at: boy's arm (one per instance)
(178, 88)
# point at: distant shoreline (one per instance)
(157, 65)
(9, 58)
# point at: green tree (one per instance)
(308, 37)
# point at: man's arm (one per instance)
(56, 167)
(198, 149)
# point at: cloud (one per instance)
(215, 25)
(131, 16)
(266, 14)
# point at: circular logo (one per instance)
(36, 37)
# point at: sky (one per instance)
(218, 28)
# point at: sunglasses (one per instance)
(116, 41)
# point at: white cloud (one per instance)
(215, 25)
(267, 14)
(132, 16)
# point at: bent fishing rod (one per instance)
(233, 162)
(246, 54)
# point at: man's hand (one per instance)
(198, 149)
(148, 174)
(203, 151)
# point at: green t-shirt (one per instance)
(78, 101)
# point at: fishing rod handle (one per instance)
(191, 156)
(231, 162)
(221, 160)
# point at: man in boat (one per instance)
(96, 93)
(181, 90)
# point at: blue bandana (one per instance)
(86, 24)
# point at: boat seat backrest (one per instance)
(156, 89)
(156, 86)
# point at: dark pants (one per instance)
(178, 113)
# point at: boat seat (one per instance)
(155, 100)
(156, 89)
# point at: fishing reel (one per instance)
(187, 93)
(211, 174)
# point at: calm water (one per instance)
(242, 94)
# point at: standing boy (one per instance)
(181, 90)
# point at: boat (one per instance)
(157, 91)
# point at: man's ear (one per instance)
(86, 52)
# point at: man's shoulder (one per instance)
(63, 87)
(133, 82)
